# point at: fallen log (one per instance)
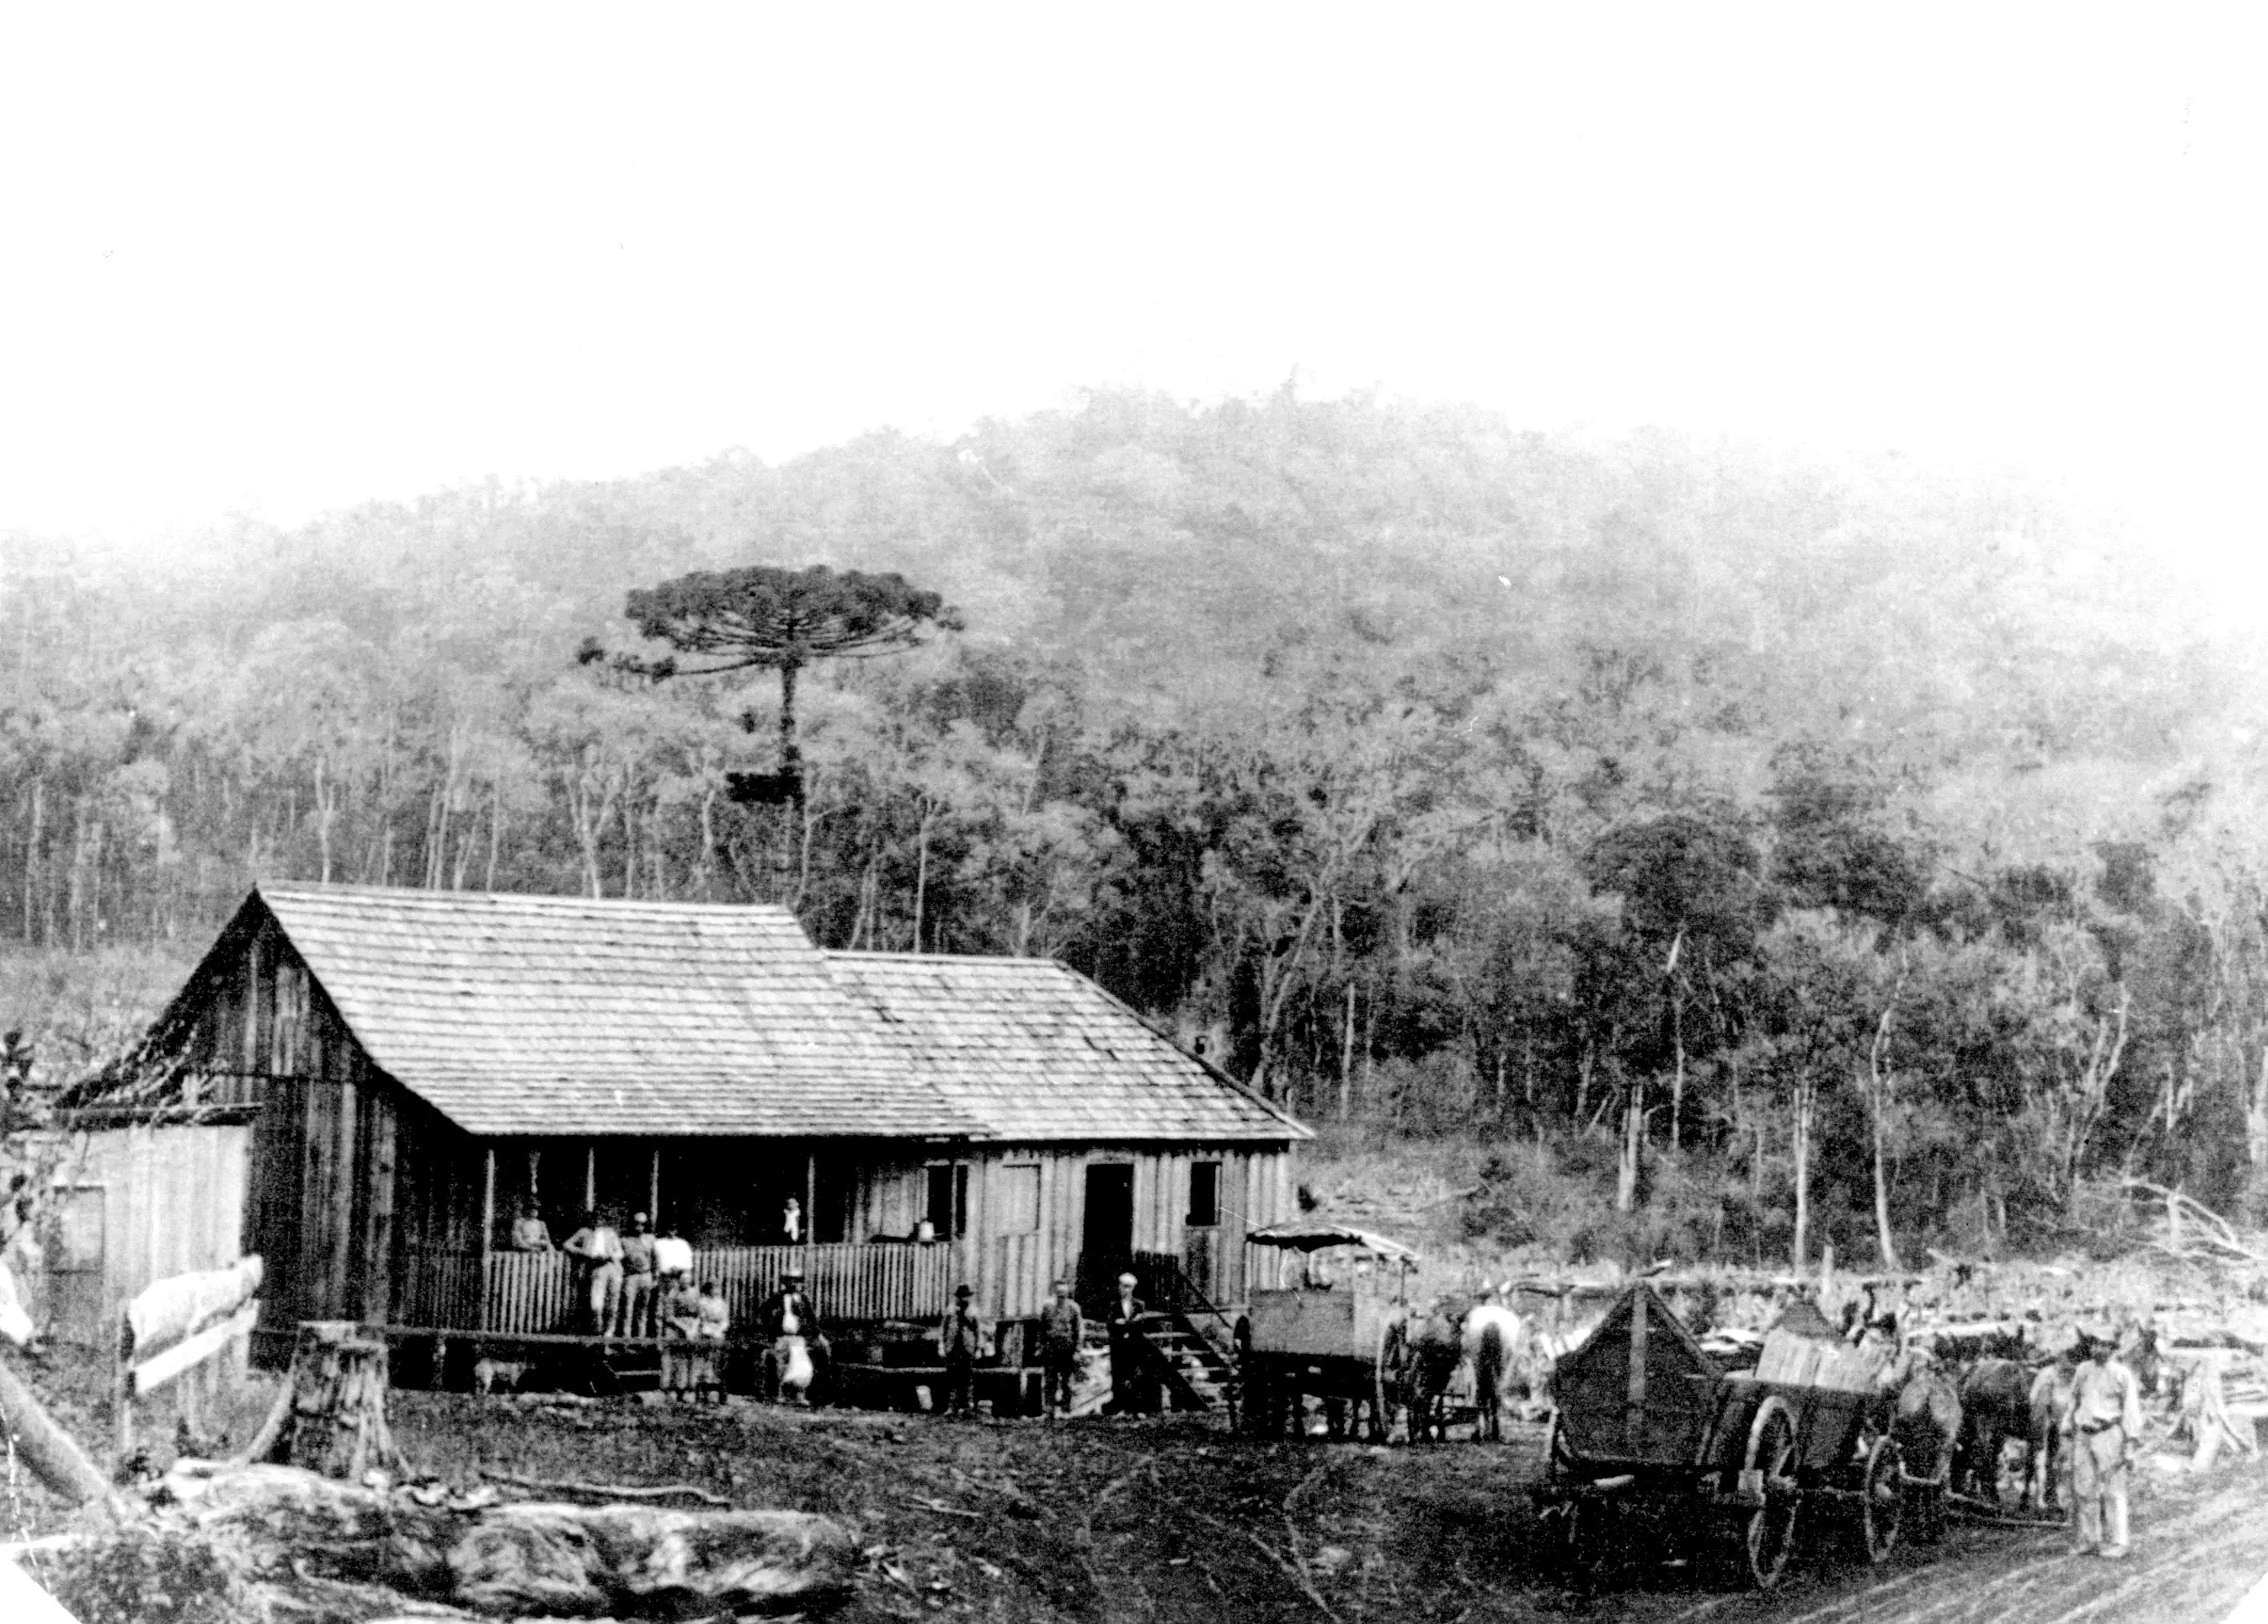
(646, 1559)
(605, 1491)
(52, 1455)
(524, 1559)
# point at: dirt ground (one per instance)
(1174, 1518)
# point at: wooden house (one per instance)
(425, 1065)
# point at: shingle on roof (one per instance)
(563, 1015)
(1037, 1052)
(566, 1015)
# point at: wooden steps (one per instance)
(1197, 1376)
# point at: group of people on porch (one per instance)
(641, 1284)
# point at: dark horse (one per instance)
(1996, 1405)
(1925, 1418)
(2051, 1397)
(2137, 1350)
(1428, 1353)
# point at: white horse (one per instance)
(1493, 1338)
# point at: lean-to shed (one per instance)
(428, 1064)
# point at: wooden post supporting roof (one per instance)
(487, 1234)
(591, 1176)
(654, 1191)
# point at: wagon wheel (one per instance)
(1770, 1533)
(1262, 1417)
(1385, 1380)
(1884, 1507)
(1237, 1392)
(1254, 1416)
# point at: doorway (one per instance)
(1107, 1236)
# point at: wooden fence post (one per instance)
(121, 1383)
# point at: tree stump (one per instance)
(330, 1418)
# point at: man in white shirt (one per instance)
(598, 1247)
(672, 1256)
(2106, 1426)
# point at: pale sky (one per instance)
(278, 262)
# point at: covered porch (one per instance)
(508, 1293)
(875, 1241)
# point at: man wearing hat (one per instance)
(787, 1312)
(1126, 1386)
(961, 1339)
(2106, 1425)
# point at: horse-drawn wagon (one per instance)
(1331, 1335)
(1646, 1417)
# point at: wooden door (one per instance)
(1106, 1234)
(76, 1241)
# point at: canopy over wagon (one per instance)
(1646, 1413)
(1329, 1335)
(1308, 1235)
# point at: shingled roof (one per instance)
(565, 1014)
(1038, 1052)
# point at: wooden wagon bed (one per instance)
(1645, 1414)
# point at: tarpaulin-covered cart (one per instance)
(1645, 1415)
(1331, 1334)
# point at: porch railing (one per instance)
(537, 1292)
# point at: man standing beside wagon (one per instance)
(2106, 1428)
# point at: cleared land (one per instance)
(1173, 1518)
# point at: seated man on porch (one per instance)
(596, 1249)
(529, 1232)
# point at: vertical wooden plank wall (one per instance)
(322, 1203)
(174, 1200)
(377, 1237)
(1012, 1273)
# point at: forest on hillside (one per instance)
(1874, 845)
